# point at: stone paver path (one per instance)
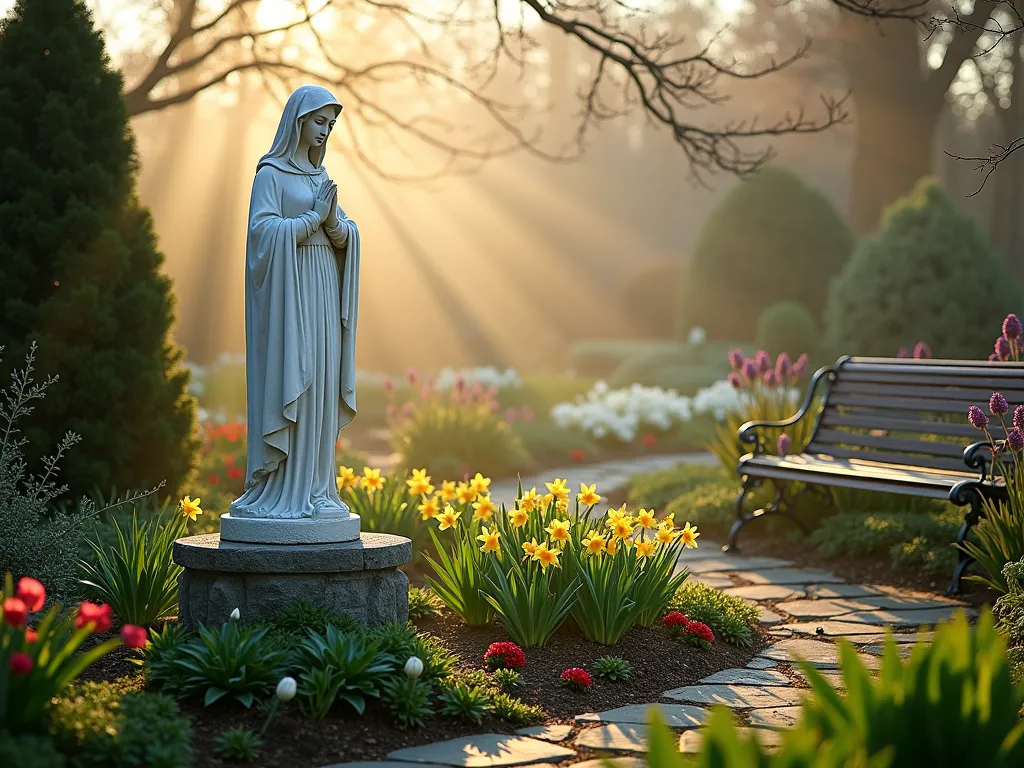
(808, 610)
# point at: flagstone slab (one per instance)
(615, 738)
(738, 696)
(718, 582)
(736, 563)
(837, 608)
(780, 717)
(822, 655)
(381, 764)
(745, 677)
(904, 651)
(927, 617)
(488, 750)
(618, 762)
(553, 733)
(768, 617)
(832, 628)
(761, 592)
(831, 591)
(691, 741)
(787, 576)
(675, 715)
(832, 676)
(758, 663)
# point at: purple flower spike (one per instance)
(736, 359)
(763, 361)
(749, 370)
(977, 417)
(993, 358)
(800, 365)
(1015, 439)
(783, 365)
(770, 378)
(903, 353)
(997, 405)
(784, 443)
(1002, 349)
(1018, 417)
(735, 380)
(922, 351)
(1012, 328)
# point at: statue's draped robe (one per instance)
(301, 306)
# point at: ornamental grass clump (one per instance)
(767, 391)
(538, 563)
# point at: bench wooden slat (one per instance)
(995, 370)
(851, 471)
(967, 397)
(908, 405)
(896, 445)
(1013, 384)
(835, 417)
(937, 462)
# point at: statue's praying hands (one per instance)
(326, 203)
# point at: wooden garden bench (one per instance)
(886, 424)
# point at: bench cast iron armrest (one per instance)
(979, 456)
(748, 432)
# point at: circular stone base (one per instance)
(304, 530)
(360, 578)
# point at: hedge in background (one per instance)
(771, 238)
(788, 327)
(79, 263)
(928, 274)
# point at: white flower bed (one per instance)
(488, 376)
(621, 413)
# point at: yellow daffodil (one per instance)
(588, 495)
(646, 519)
(646, 548)
(529, 501)
(489, 539)
(615, 515)
(465, 493)
(622, 527)
(372, 481)
(666, 535)
(518, 517)
(347, 478)
(558, 489)
(545, 500)
(668, 521)
(612, 547)
(448, 518)
(558, 530)
(480, 484)
(594, 543)
(562, 505)
(529, 547)
(430, 508)
(448, 494)
(484, 508)
(689, 536)
(546, 556)
(419, 483)
(190, 508)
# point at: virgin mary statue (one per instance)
(301, 302)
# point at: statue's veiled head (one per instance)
(309, 114)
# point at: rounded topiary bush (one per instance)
(772, 238)
(649, 298)
(928, 274)
(788, 327)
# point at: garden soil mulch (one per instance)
(293, 741)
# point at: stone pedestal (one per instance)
(360, 578)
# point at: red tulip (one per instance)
(99, 615)
(31, 592)
(15, 612)
(20, 663)
(31, 635)
(650, 440)
(133, 636)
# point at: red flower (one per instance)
(20, 663)
(577, 678)
(213, 479)
(701, 631)
(133, 636)
(31, 592)
(99, 615)
(650, 440)
(675, 622)
(31, 635)
(229, 460)
(15, 611)
(577, 454)
(505, 656)
(235, 473)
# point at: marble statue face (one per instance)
(317, 127)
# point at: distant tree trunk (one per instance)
(1007, 194)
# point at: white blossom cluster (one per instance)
(697, 336)
(487, 376)
(721, 399)
(603, 412)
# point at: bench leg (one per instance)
(964, 560)
(742, 518)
